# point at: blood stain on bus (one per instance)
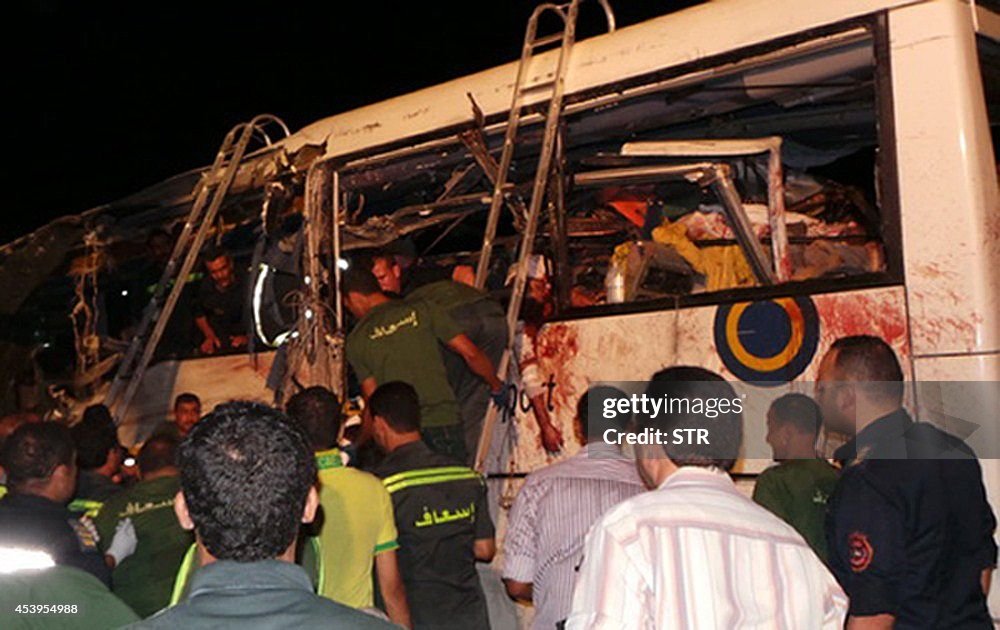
(558, 341)
(557, 347)
(845, 315)
(937, 331)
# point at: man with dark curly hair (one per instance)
(247, 484)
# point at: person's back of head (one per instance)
(158, 455)
(793, 424)
(39, 459)
(318, 411)
(395, 410)
(246, 473)
(591, 421)
(95, 436)
(359, 280)
(696, 399)
(798, 411)
(360, 289)
(9, 424)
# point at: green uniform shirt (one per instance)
(145, 579)
(447, 294)
(398, 341)
(83, 602)
(797, 492)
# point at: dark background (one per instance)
(111, 97)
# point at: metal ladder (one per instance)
(567, 13)
(209, 192)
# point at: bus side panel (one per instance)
(574, 354)
(213, 379)
(949, 408)
(947, 180)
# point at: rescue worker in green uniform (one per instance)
(99, 457)
(798, 487)
(145, 579)
(399, 340)
(441, 514)
(477, 314)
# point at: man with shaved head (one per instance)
(909, 531)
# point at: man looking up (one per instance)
(909, 530)
(247, 475)
(797, 489)
(145, 579)
(220, 311)
(398, 341)
(357, 522)
(441, 514)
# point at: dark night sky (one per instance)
(114, 96)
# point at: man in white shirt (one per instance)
(695, 552)
(556, 507)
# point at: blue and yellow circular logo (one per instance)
(769, 342)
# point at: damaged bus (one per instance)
(729, 190)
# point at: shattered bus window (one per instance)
(632, 241)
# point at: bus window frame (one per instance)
(886, 185)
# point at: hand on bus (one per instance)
(211, 344)
(552, 438)
(238, 341)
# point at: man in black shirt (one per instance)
(441, 515)
(99, 459)
(221, 298)
(39, 460)
(909, 529)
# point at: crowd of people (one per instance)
(266, 517)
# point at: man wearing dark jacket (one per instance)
(909, 529)
(41, 475)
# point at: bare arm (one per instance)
(518, 591)
(873, 622)
(552, 439)
(478, 362)
(390, 585)
(211, 342)
(485, 549)
(368, 387)
(986, 580)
